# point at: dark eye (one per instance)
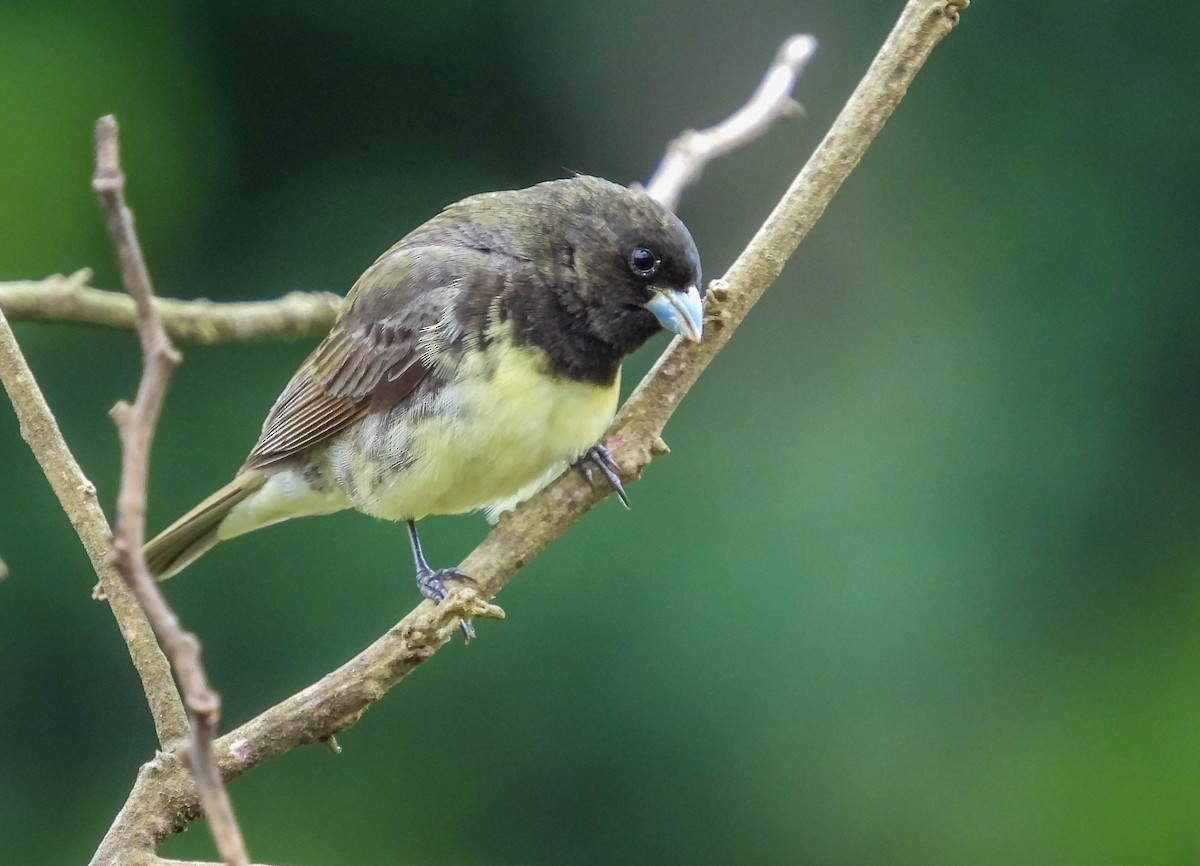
(643, 262)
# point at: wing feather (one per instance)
(377, 353)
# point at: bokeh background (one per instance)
(920, 580)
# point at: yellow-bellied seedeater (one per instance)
(469, 366)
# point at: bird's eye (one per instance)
(643, 263)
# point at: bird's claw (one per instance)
(432, 584)
(601, 458)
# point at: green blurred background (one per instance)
(919, 580)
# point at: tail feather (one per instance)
(185, 540)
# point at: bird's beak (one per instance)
(680, 311)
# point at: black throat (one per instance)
(574, 344)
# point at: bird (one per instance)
(475, 361)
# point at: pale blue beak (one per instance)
(679, 311)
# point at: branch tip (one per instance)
(689, 153)
(954, 7)
(107, 177)
(796, 51)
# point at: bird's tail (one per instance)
(185, 540)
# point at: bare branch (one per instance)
(70, 299)
(689, 153)
(635, 437)
(136, 426)
(77, 496)
(921, 26)
(162, 802)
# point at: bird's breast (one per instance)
(499, 430)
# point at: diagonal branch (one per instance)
(136, 427)
(635, 437)
(162, 800)
(78, 498)
(71, 299)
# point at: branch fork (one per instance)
(135, 425)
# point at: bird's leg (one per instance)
(432, 583)
(602, 459)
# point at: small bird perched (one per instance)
(470, 365)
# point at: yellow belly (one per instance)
(504, 428)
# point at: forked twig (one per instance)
(689, 153)
(136, 423)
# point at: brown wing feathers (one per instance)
(372, 360)
(335, 387)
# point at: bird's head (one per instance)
(628, 265)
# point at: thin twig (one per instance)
(160, 801)
(78, 498)
(136, 426)
(692, 150)
(71, 299)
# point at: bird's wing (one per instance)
(377, 353)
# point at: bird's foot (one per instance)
(432, 584)
(601, 458)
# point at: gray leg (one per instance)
(432, 583)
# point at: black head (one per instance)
(631, 266)
(605, 268)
